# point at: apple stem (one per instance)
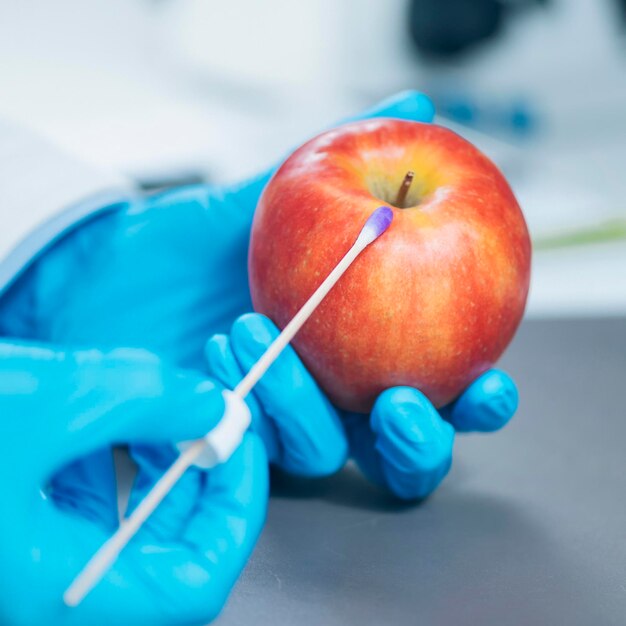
(404, 189)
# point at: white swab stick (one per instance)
(224, 443)
(367, 235)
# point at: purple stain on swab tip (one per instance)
(378, 222)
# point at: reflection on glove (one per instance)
(405, 445)
(58, 406)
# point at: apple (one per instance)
(435, 301)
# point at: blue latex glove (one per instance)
(58, 406)
(164, 274)
(405, 445)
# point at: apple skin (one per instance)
(434, 301)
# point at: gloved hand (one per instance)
(163, 274)
(405, 444)
(58, 406)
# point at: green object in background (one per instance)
(611, 230)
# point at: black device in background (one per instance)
(621, 5)
(449, 28)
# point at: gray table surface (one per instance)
(528, 528)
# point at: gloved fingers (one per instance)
(125, 396)
(311, 435)
(224, 367)
(87, 487)
(409, 449)
(187, 580)
(486, 405)
(229, 516)
(170, 517)
(153, 581)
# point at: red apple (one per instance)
(432, 303)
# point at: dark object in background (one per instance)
(156, 182)
(449, 28)
(621, 7)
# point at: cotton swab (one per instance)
(223, 440)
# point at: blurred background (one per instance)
(170, 91)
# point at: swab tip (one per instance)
(381, 219)
(377, 223)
